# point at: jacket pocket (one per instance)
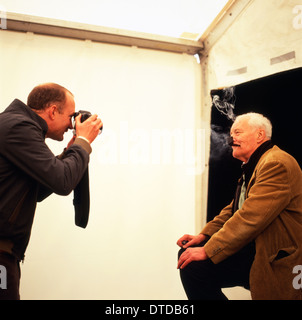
(282, 254)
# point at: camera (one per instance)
(85, 116)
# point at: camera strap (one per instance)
(81, 201)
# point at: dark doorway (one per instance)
(277, 97)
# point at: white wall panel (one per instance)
(142, 169)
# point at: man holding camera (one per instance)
(29, 172)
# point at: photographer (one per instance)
(29, 172)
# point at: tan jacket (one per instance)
(272, 216)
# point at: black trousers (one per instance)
(203, 280)
(9, 277)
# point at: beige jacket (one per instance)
(272, 216)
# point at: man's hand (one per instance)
(191, 240)
(191, 254)
(88, 129)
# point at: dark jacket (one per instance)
(29, 172)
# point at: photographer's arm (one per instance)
(45, 192)
(35, 159)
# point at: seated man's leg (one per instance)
(203, 280)
(199, 281)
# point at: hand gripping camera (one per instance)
(85, 116)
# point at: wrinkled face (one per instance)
(62, 121)
(246, 139)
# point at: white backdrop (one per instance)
(142, 169)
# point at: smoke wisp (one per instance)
(219, 143)
(224, 102)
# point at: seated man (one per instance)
(256, 241)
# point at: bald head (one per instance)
(43, 95)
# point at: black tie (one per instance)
(81, 201)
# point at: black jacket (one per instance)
(29, 172)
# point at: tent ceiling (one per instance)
(191, 26)
(187, 19)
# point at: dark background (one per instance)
(278, 97)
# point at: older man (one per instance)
(256, 241)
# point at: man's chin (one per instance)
(236, 155)
(57, 138)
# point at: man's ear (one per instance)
(261, 136)
(51, 111)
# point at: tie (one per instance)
(242, 193)
(81, 201)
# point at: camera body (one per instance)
(85, 116)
